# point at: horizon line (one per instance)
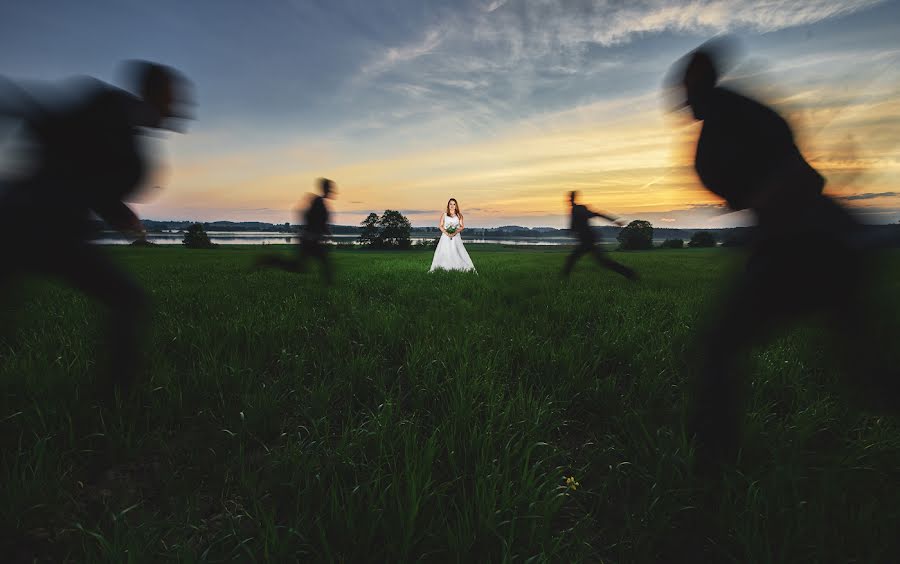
(430, 226)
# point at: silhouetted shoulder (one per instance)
(728, 106)
(318, 203)
(85, 151)
(743, 145)
(317, 216)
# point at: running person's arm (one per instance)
(121, 218)
(610, 218)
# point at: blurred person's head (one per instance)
(700, 77)
(693, 77)
(573, 196)
(163, 88)
(327, 188)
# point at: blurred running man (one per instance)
(86, 159)
(803, 260)
(587, 243)
(313, 235)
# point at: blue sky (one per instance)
(503, 105)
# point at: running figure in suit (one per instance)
(87, 159)
(587, 244)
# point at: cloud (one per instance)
(694, 216)
(870, 196)
(475, 66)
(876, 214)
(575, 22)
(397, 55)
(709, 207)
(366, 210)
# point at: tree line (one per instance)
(391, 230)
(638, 235)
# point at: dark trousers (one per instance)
(87, 268)
(307, 249)
(588, 247)
(807, 269)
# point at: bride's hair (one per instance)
(458, 212)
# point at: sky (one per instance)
(504, 105)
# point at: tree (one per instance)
(636, 235)
(390, 230)
(394, 229)
(672, 244)
(702, 239)
(196, 238)
(371, 234)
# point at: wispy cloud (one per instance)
(877, 214)
(406, 53)
(696, 216)
(493, 5)
(494, 61)
(870, 196)
(609, 23)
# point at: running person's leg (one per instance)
(324, 256)
(573, 257)
(89, 269)
(745, 317)
(601, 256)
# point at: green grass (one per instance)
(405, 416)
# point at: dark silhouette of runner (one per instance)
(581, 226)
(86, 159)
(313, 233)
(803, 258)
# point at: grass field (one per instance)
(404, 416)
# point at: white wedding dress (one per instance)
(450, 253)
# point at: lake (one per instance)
(274, 238)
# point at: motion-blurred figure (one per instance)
(86, 159)
(587, 244)
(313, 233)
(803, 260)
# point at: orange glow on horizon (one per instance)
(625, 156)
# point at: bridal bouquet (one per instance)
(450, 229)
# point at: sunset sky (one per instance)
(504, 105)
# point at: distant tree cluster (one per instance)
(196, 238)
(702, 239)
(388, 231)
(637, 235)
(672, 244)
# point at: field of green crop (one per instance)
(404, 416)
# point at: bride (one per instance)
(450, 253)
